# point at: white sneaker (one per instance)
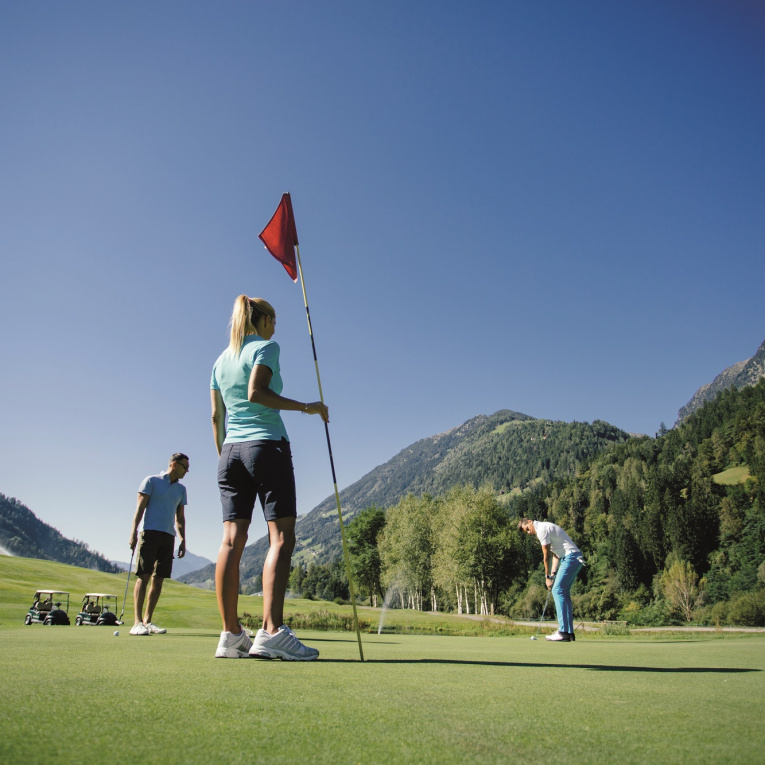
(558, 637)
(154, 630)
(139, 629)
(283, 645)
(232, 646)
(307, 647)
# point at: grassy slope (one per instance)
(415, 699)
(732, 476)
(182, 606)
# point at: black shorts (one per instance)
(252, 470)
(155, 554)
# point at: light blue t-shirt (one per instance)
(164, 498)
(231, 376)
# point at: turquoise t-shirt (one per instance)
(231, 376)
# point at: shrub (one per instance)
(614, 629)
(655, 614)
(714, 615)
(531, 603)
(505, 604)
(597, 604)
(747, 609)
(326, 620)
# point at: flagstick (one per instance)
(331, 462)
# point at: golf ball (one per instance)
(116, 632)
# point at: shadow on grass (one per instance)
(535, 665)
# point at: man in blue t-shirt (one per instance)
(161, 503)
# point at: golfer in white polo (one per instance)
(561, 569)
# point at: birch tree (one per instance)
(488, 551)
(406, 549)
(449, 574)
(477, 553)
(679, 585)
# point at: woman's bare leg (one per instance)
(276, 571)
(227, 572)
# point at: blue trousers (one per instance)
(561, 591)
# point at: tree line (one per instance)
(672, 529)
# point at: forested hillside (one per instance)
(506, 450)
(672, 528)
(23, 533)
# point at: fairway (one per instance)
(415, 699)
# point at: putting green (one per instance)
(69, 694)
(73, 694)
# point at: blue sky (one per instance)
(556, 208)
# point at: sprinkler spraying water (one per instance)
(393, 591)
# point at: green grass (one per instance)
(732, 476)
(69, 694)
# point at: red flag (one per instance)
(280, 236)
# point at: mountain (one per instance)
(23, 534)
(188, 564)
(181, 566)
(740, 375)
(507, 450)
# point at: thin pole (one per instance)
(332, 463)
(547, 600)
(130, 568)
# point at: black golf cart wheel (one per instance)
(78, 621)
(47, 620)
(27, 619)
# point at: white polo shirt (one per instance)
(553, 535)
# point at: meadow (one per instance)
(75, 693)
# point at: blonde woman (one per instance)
(255, 464)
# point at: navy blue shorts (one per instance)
(252, 470)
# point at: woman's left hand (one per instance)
(318, 408)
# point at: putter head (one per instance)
(533, 637)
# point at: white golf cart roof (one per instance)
(98, 595)
(52, 592)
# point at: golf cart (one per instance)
(98, 609)
(47, 608)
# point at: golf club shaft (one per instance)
(130, 568)
(547, 600)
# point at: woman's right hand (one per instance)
(318, 408)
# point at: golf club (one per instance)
(547, 600)
(130, 568)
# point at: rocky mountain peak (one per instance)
(740, 375)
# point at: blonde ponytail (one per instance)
(246, 314)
